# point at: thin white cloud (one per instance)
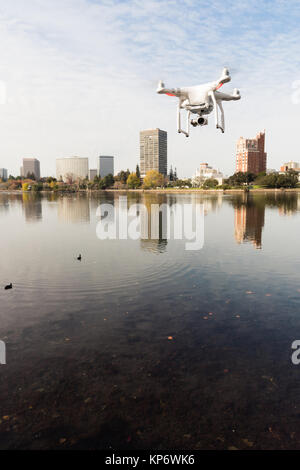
(81, 77)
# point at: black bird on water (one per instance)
(8, 287)
(79, 258)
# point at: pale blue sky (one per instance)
(81, 77)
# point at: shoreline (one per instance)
(160, 191)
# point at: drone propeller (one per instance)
(233, 70)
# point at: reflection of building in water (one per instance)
(153, 227)
(32, 207)
(74, 209)
(4, 202)
(249, 221)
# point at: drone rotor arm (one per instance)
(162, 90)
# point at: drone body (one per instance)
(201, 100)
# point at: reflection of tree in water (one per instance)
(287, 202)
(32, 206)
(250, 209)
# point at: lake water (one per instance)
(145, 344)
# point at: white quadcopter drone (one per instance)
(201, 100)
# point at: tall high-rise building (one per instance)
(31, 166)
(251, 155)
(105, 165)
(153, 151)
(3, 173)
(72, 169)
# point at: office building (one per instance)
(251, 155)
(105, 165)
(31, 166)
(291, 165)
(72, 169)
(153, 151)
(92, 174)
(3, 174)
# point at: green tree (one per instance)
(30, 176)
(275, 180)
(184, 183)
(137, 172)
(240, 178)
(210, 183)
(122, 176)
(37, 187)
(108, 180)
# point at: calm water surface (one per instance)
(89, 362)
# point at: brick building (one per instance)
(251, 155)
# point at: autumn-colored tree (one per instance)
(153, 179)
(133, 181)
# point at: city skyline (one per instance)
(238, 159)
(59, 89)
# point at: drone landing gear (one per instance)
(181, 131)
(218, 104)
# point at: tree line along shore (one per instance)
(126, 180)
